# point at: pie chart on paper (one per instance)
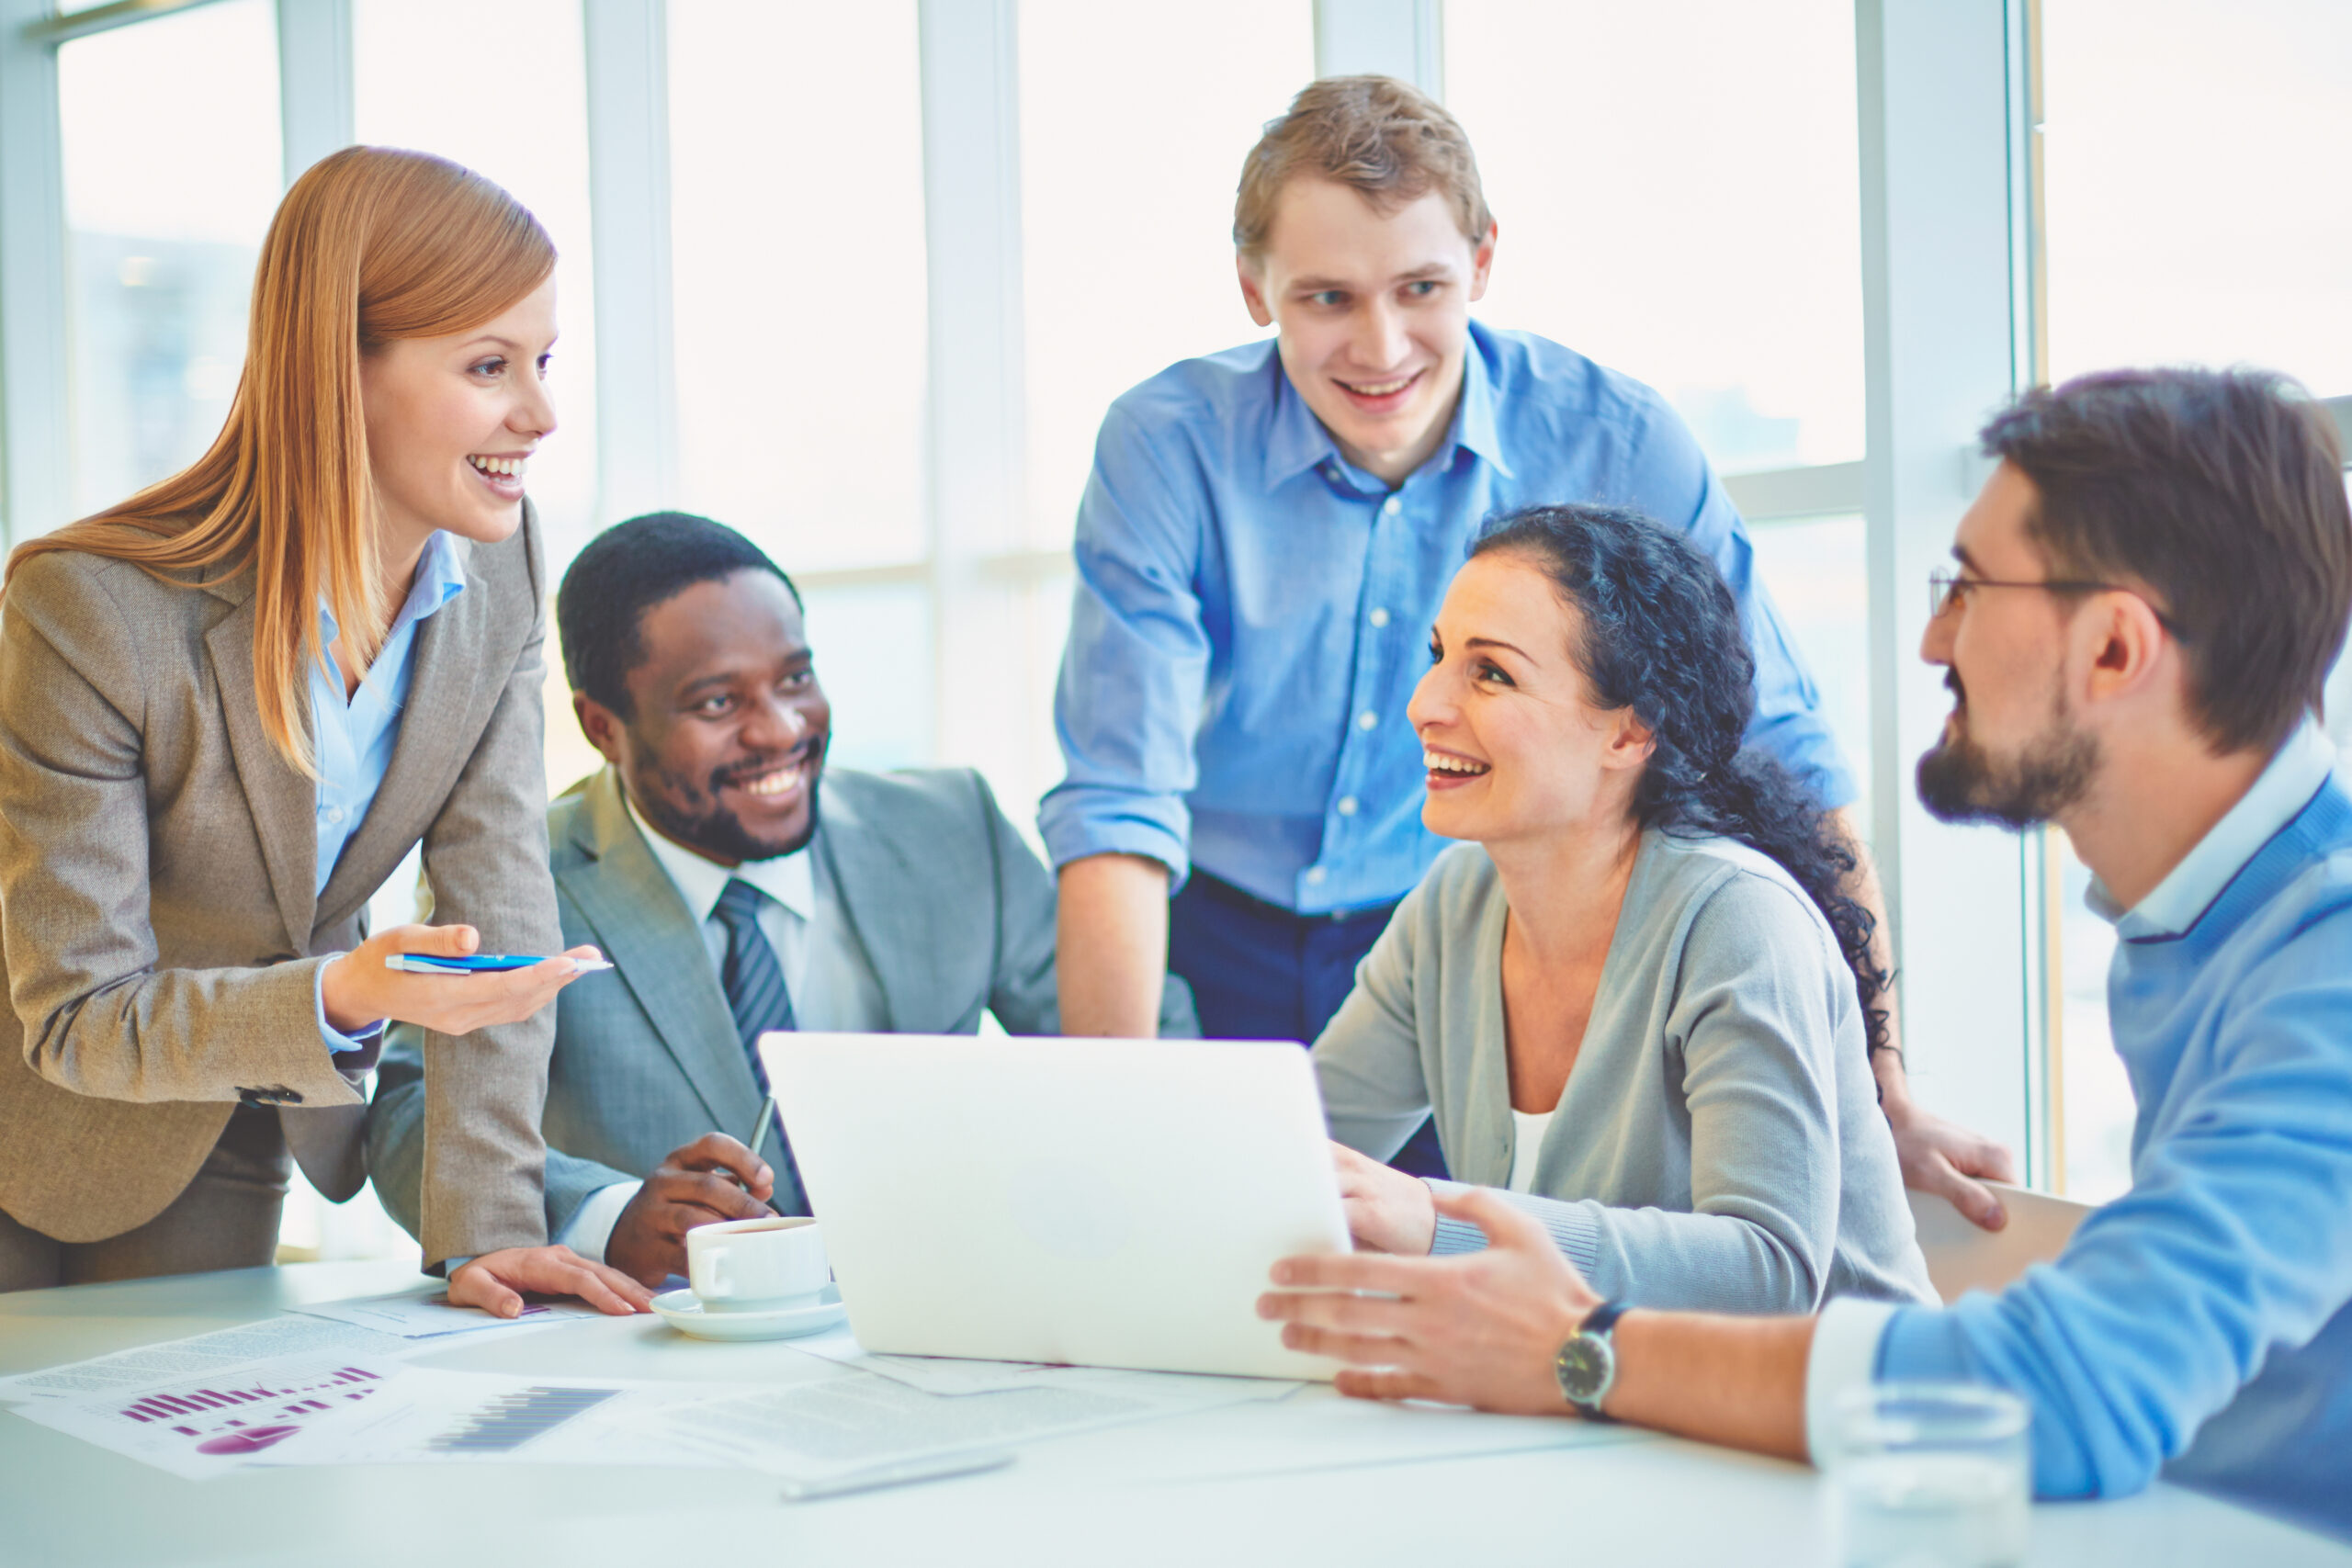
(249, 1440)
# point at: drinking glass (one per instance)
(1931, 1475)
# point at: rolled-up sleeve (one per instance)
(1135, 668)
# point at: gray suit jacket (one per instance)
(954, 913)
(160, 915)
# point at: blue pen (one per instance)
(479, 964)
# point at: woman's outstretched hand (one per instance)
(359, 991)
(1387, 1209)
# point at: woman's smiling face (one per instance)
(452, 422)
(1515, 747)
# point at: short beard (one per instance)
(718, 834)
(1958, 781)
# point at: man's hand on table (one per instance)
(1387, 1209)
(1480, 1328)
(495, 1281)
(691, 1187)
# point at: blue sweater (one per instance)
(2202, 1319)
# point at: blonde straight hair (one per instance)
(372, 245)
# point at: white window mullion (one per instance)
(314, 80)
(1405, 38)
(1937, 351)
(626, 47)
(978, 446)
(36, 464)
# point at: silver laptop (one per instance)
(1105, 1203)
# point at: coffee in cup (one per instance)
(762, 1265)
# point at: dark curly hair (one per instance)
(1662, 636)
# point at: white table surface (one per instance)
(1220, 1488)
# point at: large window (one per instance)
(2195, 207)
(1677, 192)
(1681, 192)
(796, 237)
(1134, 123)
(162, 232)
(797, 243)
(2182, 220)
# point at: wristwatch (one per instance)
(1586, 1364)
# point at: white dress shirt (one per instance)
(1845, 1341)
(832, 985)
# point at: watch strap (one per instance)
(1603, 1318)
(1597, 1325)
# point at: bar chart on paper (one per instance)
(432, 1415)
(509, 1421)
(199, 1426)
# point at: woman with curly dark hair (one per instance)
(1637, 998)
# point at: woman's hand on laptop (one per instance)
(1478, 1328)
(713, 1178)
(1387, 1209)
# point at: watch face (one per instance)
(1584, 1365)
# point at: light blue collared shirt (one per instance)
(1253, 611)
(2201, 1324)
(2284, 788)
(354, 739)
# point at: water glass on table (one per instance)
(1931, 1475)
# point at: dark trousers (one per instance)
(1262, 973)
(226, 1218)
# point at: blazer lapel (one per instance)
(284, 803)
(883, 900)
(450, 697)
(656, 947)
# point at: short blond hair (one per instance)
(1386, 140)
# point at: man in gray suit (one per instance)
(698, 863)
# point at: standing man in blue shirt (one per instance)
(2147, 597)
(1261, 552)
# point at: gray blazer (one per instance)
(1719, 1144)
(954, 913)
(160, 915)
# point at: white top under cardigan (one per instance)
(1719, 1144)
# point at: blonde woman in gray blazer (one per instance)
(1638, 1000)
(228, 709)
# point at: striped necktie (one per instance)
(757, 996)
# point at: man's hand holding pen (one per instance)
(715, 1177)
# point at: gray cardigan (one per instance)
(1719, 1144)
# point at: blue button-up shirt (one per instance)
(1253, 611)
(354, 739)
(2202, 1322)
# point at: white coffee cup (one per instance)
(757, 1264)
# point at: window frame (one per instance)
(1949, 95)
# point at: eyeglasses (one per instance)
(1946, 588)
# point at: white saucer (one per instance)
(684, 1311)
